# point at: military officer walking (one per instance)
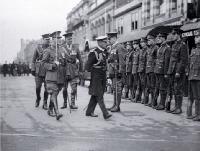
(141, 71)
(38, 70)
(161, 68)
(150, 64)
(194, 80)
(54, 60)
(73, 67)
(117, 58)
(178, 63)
(135, 65)
(96, 64)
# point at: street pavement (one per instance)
(136, 128)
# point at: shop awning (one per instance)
(191, 26)
(133, 36)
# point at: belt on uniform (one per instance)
(99, 67)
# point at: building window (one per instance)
(174, 4)
(134, 21)
(120, 27)
(148, 8)
(160, 7)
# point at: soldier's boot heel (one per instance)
(118, 102)
(50, 110)
(114, 103)
(178, 110)
(189, 109)
(45, 105)
(64, 105)
(161, 106)
(146, 99)
(37, 102)
(197, 110)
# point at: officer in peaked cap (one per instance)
(129, 63)
(141, 71)
(54, 59)
(194, 78)
(117, 60)
(72, 70)
(136, 47)
(38, 70)
(176, 71)
(96, 64)
(150, 64)
(160, 69)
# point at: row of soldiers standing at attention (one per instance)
(56, 65)
(152, 68)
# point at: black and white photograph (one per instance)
(100, 75)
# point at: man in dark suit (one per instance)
(96, 64)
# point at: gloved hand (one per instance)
(54, 66)
(33, 73)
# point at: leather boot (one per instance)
(114, 103)
(189, 109)
(132, 95)
(37, 102)
(155, 98)
(137, 96)
(151, 100)
(161, 105)
(179, 100)
(55, 103)
(146, 98)
(176, 105)
(197, 110)
(73, 106)
(118, 102)
(50, 110)
(45, 100)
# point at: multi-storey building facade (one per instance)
(100, 16)
(77, 22)
(133, 19)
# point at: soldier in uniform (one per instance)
(178, 63)
(54, 61)
(194, 80)
(141, 71)
(96, 64)
(136, 47)
(117, 58)
(161, 68)
(129, 62)
(73, 67)
(38, 70)
(150, 64)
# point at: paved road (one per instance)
(136, 128)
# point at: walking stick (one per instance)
(69, 103)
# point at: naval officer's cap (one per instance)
(102, 38)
